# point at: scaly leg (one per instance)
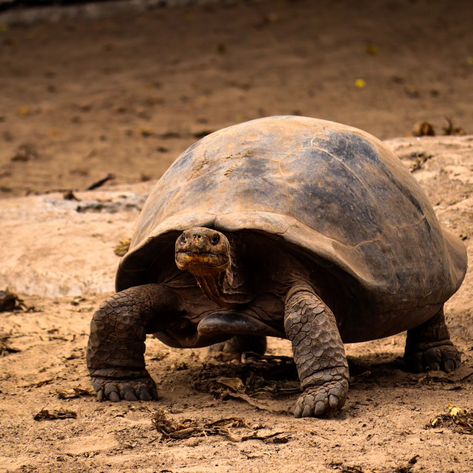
(318, 353)
(115, 353)
(428, 347)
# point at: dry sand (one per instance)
(125, 95)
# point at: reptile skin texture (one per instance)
(428, 347)
(318, 353)
(115, 353)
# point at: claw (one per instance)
(145, 395)
(449, 366)
(113, 396)
(321, 400)
(298, 411)
(115, 390)
(333, 401)
(129, 395)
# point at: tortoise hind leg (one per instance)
(428, 347)
(239, 344)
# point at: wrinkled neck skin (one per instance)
(227, 288)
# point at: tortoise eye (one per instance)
(215, 239)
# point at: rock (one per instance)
(49, 248)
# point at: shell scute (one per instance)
(334, 191)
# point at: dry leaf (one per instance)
(24, 111)
(453, 411)
(122, 248)
(233, 383)
(73, 393)
(360, 83)
(10, 301)
(58, 414)
(451, 129)
(458, 419)
(145, 132)
(423, 129)
(171, 429)
(372, 50)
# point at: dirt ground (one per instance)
(124, 95)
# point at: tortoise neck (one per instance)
(227, 288)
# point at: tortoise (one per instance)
(289, 227)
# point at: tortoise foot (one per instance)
(140, 389)
(443, 357)
(429, 348)
(321, 401)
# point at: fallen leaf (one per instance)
(451, 129)
(221, 48)
(453, 411)
(423, 129)
(123, 246)
(58, 414)
(5, 347)
(25, 152)
(24, 111)
(360, 83)
(73, 393)
(69, 195)
(411, 91)
(100, 182)
(372, 50)
(420, 158)
(76, 300)
(9, 301)
(233, 383)
(458, 419)
(145, 132)
(171, 429)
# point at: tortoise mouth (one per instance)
(201, 262)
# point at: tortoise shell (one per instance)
(335, 192)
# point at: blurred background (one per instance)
(117, 90)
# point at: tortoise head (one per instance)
(202, 251)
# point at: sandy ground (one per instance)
(125, 95)
(59, 255)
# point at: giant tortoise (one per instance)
(288, 227)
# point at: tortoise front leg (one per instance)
(115, 353)
(318, 353)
